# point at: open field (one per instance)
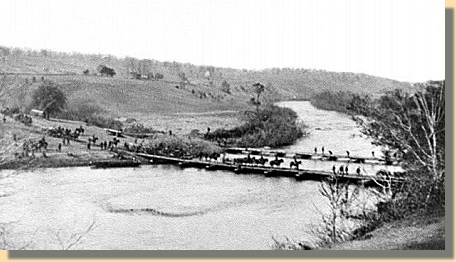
(286, 83)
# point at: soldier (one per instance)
(59, 147)
(358, 171)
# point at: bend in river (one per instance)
(165, 207)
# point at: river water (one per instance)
(165, 207)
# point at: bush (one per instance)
(273, 126)
(226, 87)
(179, 146)
(106, 71)
(49, 98)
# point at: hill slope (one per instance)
(289, 83)
(185, 88)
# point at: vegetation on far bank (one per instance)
(332, 101)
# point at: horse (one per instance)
(276, 162)
(248, 160)
(261, 161)
(214, 156)
(295, 163)
(80, 129)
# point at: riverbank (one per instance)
(416, 232)
(14, 134)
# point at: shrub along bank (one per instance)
(269, 126)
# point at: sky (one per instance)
(398, 39)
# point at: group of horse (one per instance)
(61, 132)
(248, 160)
(23, 118)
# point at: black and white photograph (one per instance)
(222, 125)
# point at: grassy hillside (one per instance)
(290, 83)
(186, 89)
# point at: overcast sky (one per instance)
(397, 39)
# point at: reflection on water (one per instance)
(165, 207)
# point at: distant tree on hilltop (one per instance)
(106, 71)
(226, 87)
(158, 76)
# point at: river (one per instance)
(165, 207)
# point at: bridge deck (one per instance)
(311, 156)
(301, 174)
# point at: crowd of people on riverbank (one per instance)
(31, 146)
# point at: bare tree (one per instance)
(340, 198)
(412, 126)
